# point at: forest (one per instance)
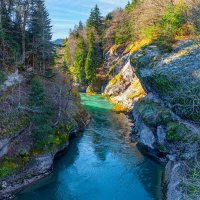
(118, 98)
(25, 35)
(140, 23)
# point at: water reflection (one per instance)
(101, 164)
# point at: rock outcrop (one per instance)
(125, 88)
(165, 93)
(170, 113)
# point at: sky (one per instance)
(65, 14)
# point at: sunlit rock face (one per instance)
(163, 90)
(125, 88)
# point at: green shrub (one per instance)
(161, 147)
(176, 131)
(41, 118)
(149, 32)
(162, 84)
(194, 176)
(44, 135)
(2, 77)
(190, 184)
(49, 73)
(170, 26)
(131, 5)
(153, 114)
(7, 166)
(59, 135)
(167, 28)
(180, 95)
(122, 34)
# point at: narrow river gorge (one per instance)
(101, 163)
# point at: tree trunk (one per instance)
(23, 48)
(2, 32)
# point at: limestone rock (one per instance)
(125, 88)
(161, 135)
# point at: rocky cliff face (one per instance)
(39, 114)
(124, 88)
(165, 93)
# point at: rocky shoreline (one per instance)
(166, 125)
(38, 168)
(32, 137)
(153, 143)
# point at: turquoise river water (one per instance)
(101, 164)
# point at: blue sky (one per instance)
(65, 14)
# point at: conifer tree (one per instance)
(79, 62)
(40, 29)
(95, 20)
(95, 25)
(23, 8)
(92, 61)
(80, 26)
(131, 5)
(25, 34)
(8, 41)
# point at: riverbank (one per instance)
(101, 161)
(160, 89)
(38, 121)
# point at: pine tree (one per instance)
(95, 25)
(92, 59)
(22, 16)
(8, 43)
(80, 60)
(80, 26)
(131, 5)
(40, 29)
(128, 5)
(95, 20)
(25, 34)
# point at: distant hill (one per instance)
(57, 41)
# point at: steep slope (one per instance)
(40, 113)
(125, 88)
(170, 113)
(167, 118)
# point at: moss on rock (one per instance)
(153, 114)
(176, 131)
(90, 91)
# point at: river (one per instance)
(101, 164)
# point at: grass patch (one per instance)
(175, 132)
(132, 48)
(9, 165)
(13, 123)
(153, 114)
(90, 91)
(162, 84)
